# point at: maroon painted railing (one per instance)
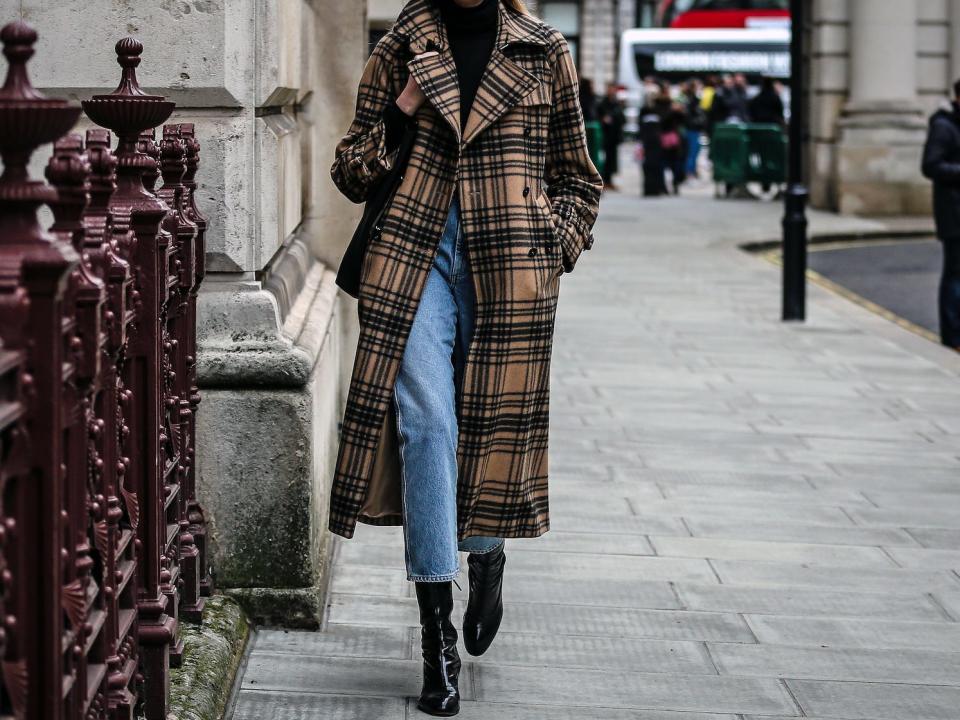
(102, 544)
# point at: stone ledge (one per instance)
(200, 688)
(244, 343)
(295, 608)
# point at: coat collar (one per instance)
(504, 82)
(419, 21)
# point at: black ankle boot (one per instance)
(485, 605)
(438, 640)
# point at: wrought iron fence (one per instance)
(102, 542)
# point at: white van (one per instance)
(676, 54)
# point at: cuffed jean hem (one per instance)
(485, 552)
(434, 578)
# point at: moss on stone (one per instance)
(299, 608)
(200, 688)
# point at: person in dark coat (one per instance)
(673, 141)
(612, 120)
(766, 106)
(654, 178)
(588, 100)
(730, 104)
(941, 163)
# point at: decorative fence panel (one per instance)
(102, 541)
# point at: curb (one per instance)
(762, 246)
(201, 687)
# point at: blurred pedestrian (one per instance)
(588, 100)
(588, 104)
(738, 104)
(941, 163)
(695, 123)
(650, 148)
(767, 106)
(672, 137)
(708, 96)
(612, 121)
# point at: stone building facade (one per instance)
(878, 68)
(270, 85)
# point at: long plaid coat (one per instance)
(529, 196)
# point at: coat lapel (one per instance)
(436, 75)
(504, 82)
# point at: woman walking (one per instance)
(445, 429)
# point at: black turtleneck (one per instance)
(471, 32)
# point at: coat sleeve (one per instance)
(363, 155)
(573, 183)
(935, 165)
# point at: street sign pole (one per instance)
(795, 200)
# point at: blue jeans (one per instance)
(425, 396)
(693, 151)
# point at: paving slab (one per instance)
(770, 551)
(800, 532)
(631, 690)
(743, 572)
(883, 701)
(810, 602)
(257, 705)
(790, 661)
(855, 632)
(505, 711)
(937, 538)
(338, 640)
(751, 520)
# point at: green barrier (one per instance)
(595, 143)
(748, 152)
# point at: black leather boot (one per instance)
(438, 639)
(485, 604)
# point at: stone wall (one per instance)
(271, 86)
(878, 69)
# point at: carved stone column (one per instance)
(882, 128)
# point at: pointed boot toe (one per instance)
(481, 621)
(439, 704)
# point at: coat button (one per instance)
(533, 251)
(526, 191)
(526, 130)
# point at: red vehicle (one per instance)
(723, 13)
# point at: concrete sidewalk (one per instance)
(750, 519)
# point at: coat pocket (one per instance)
(552, 245)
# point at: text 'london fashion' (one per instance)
(425, 396)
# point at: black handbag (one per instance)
(371, 223)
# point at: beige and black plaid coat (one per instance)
(529, 196)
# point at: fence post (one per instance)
(198, 528)
(137, 214)
(173, 168)
(116, 645)
(34, 268)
